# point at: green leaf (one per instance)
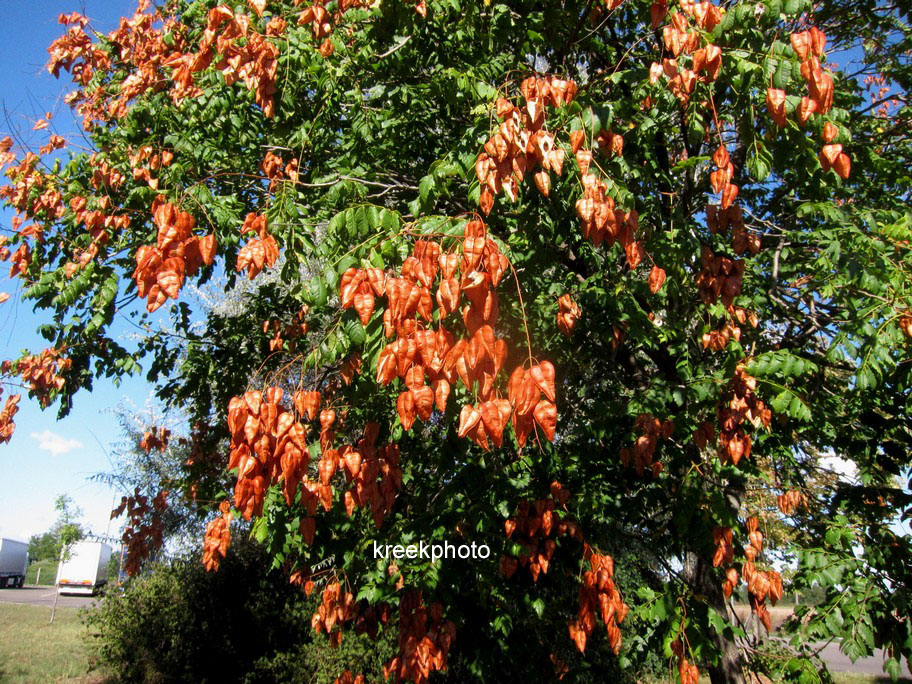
(892, 668)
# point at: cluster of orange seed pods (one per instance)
(143, 533)
(336, 608)
(218, 538)
(105, 176)
(286, 333)
(521, 142)
(155, 439)
(532, 394)
(809, 46)
(246, 56)
(600, 220)
(31, 192)
(568, 313)
(688, 671)
(730, 582)
(720, 277)
(161, 269)
(266, 442)
(7, 426)
(791, 500)
(720, 220)
(760, 584)
(321, 20)
(363, 466)
(100, 226)
(425, 637)
(641, 456)
(721, 178)
(348, 678)
(42, 372)
(744, 405)
(717, 340)
(532, 528)
(599, 597)
(269, 444)
(725, 548)
(21, 259)
(145, 161)
(6, 155)
(277, 170)
(421, 354)
(261, 251)
(682, 38)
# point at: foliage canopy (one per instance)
(572, 280)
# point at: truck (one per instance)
(13, 560)
(85, 570)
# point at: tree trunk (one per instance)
(54, 608)
(702, 581)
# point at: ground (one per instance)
(41, 596)
(32, 650)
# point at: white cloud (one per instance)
(57, 445)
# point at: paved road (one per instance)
(41, 596)
(835, 659)
(838, 661)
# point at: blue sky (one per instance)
(46, 457)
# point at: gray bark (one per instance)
(703, 580)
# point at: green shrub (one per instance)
(244, 623)
(48, 569)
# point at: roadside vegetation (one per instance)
(48, 572)
(32, 650)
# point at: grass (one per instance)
(48, 572)
(32, 650)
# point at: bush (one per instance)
(244, 623)
(48, 568)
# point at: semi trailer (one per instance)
(13, 561)
(85, 570)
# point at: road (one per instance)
(41, 596)
(838, 661)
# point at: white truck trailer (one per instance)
(13, 561)
(86, 569)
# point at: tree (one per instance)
(41, 546)
(580, 282)
(69, 530)
(65, 531)
(144, 462)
